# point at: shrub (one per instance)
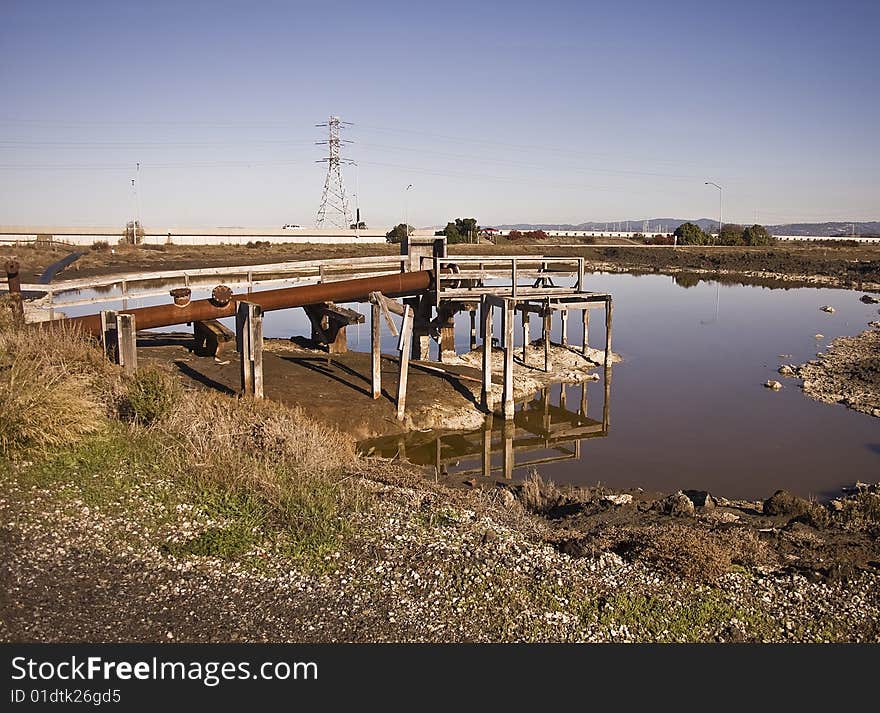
(150, 395)
(757, 235)
(660, 240)
(691, 234)
(100, 246)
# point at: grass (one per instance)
(266, 470)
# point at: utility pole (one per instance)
(720, 206)
(334, 203)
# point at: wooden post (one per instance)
(548, 323)
(584, 399)
(563, 317)
(124, 294)
(513, 277)
(526, 333)
(404, 346)
(585, 342)
(609, 308)
(508, 359)
(562, 396)
(109, 340)
(580, 283)
(487, 355)
(249, 340)
(126, 335)
(376, 349)
(473, 342)
(446, 316)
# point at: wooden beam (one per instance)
(404, 346)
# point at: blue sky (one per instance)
(507, 111)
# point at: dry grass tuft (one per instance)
(55, 386)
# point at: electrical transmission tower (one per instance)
(334, 203)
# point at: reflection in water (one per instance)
(541, 432)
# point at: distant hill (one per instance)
(838, 228)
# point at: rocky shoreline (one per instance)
(847, 372)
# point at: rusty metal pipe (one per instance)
(398, 285)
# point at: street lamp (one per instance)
(406, 209)
(720, 206)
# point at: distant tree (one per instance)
(515, 235)
(758, 235)
(398, 233)
(358, 226)
(731, 234)
(463, 230)
(691, 234)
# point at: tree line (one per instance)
(730, 234)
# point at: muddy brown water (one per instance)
(686, 407)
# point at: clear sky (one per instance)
(506, 111)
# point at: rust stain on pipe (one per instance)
(398, 285)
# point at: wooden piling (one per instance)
(446, 317)
(507, 435)
(526, 334)
(404, 346)
(508, 360)
(486, 307)
(126, 335)
(376, 349)
(473, 316)
(563, 317)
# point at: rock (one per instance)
(678, 505)
(723, 516)
(472, 482)
(786, 370)
(870, 299)
(819, 336)
(775, 385)
(700, 498)
(618, 499)
(827, 308)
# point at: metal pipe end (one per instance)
(181, 295)
(221, 295)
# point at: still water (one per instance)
(686, 407)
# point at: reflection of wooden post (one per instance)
(126, 334)
(548, 317)
(507, 435)
(545, 419)
(563, 318)
(404, 346)
(487, 447)
(109, 340)
(473, 342)
(375, 349)
(249, 339)
(508, 359)
(584, 399)
(487, 355)
(562, 396)
(606, 405)
(526, 333)
(586, 338)
(609, 308)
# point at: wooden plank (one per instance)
(404, 346)
(249, 338)
(126, 333)
(256, 340)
